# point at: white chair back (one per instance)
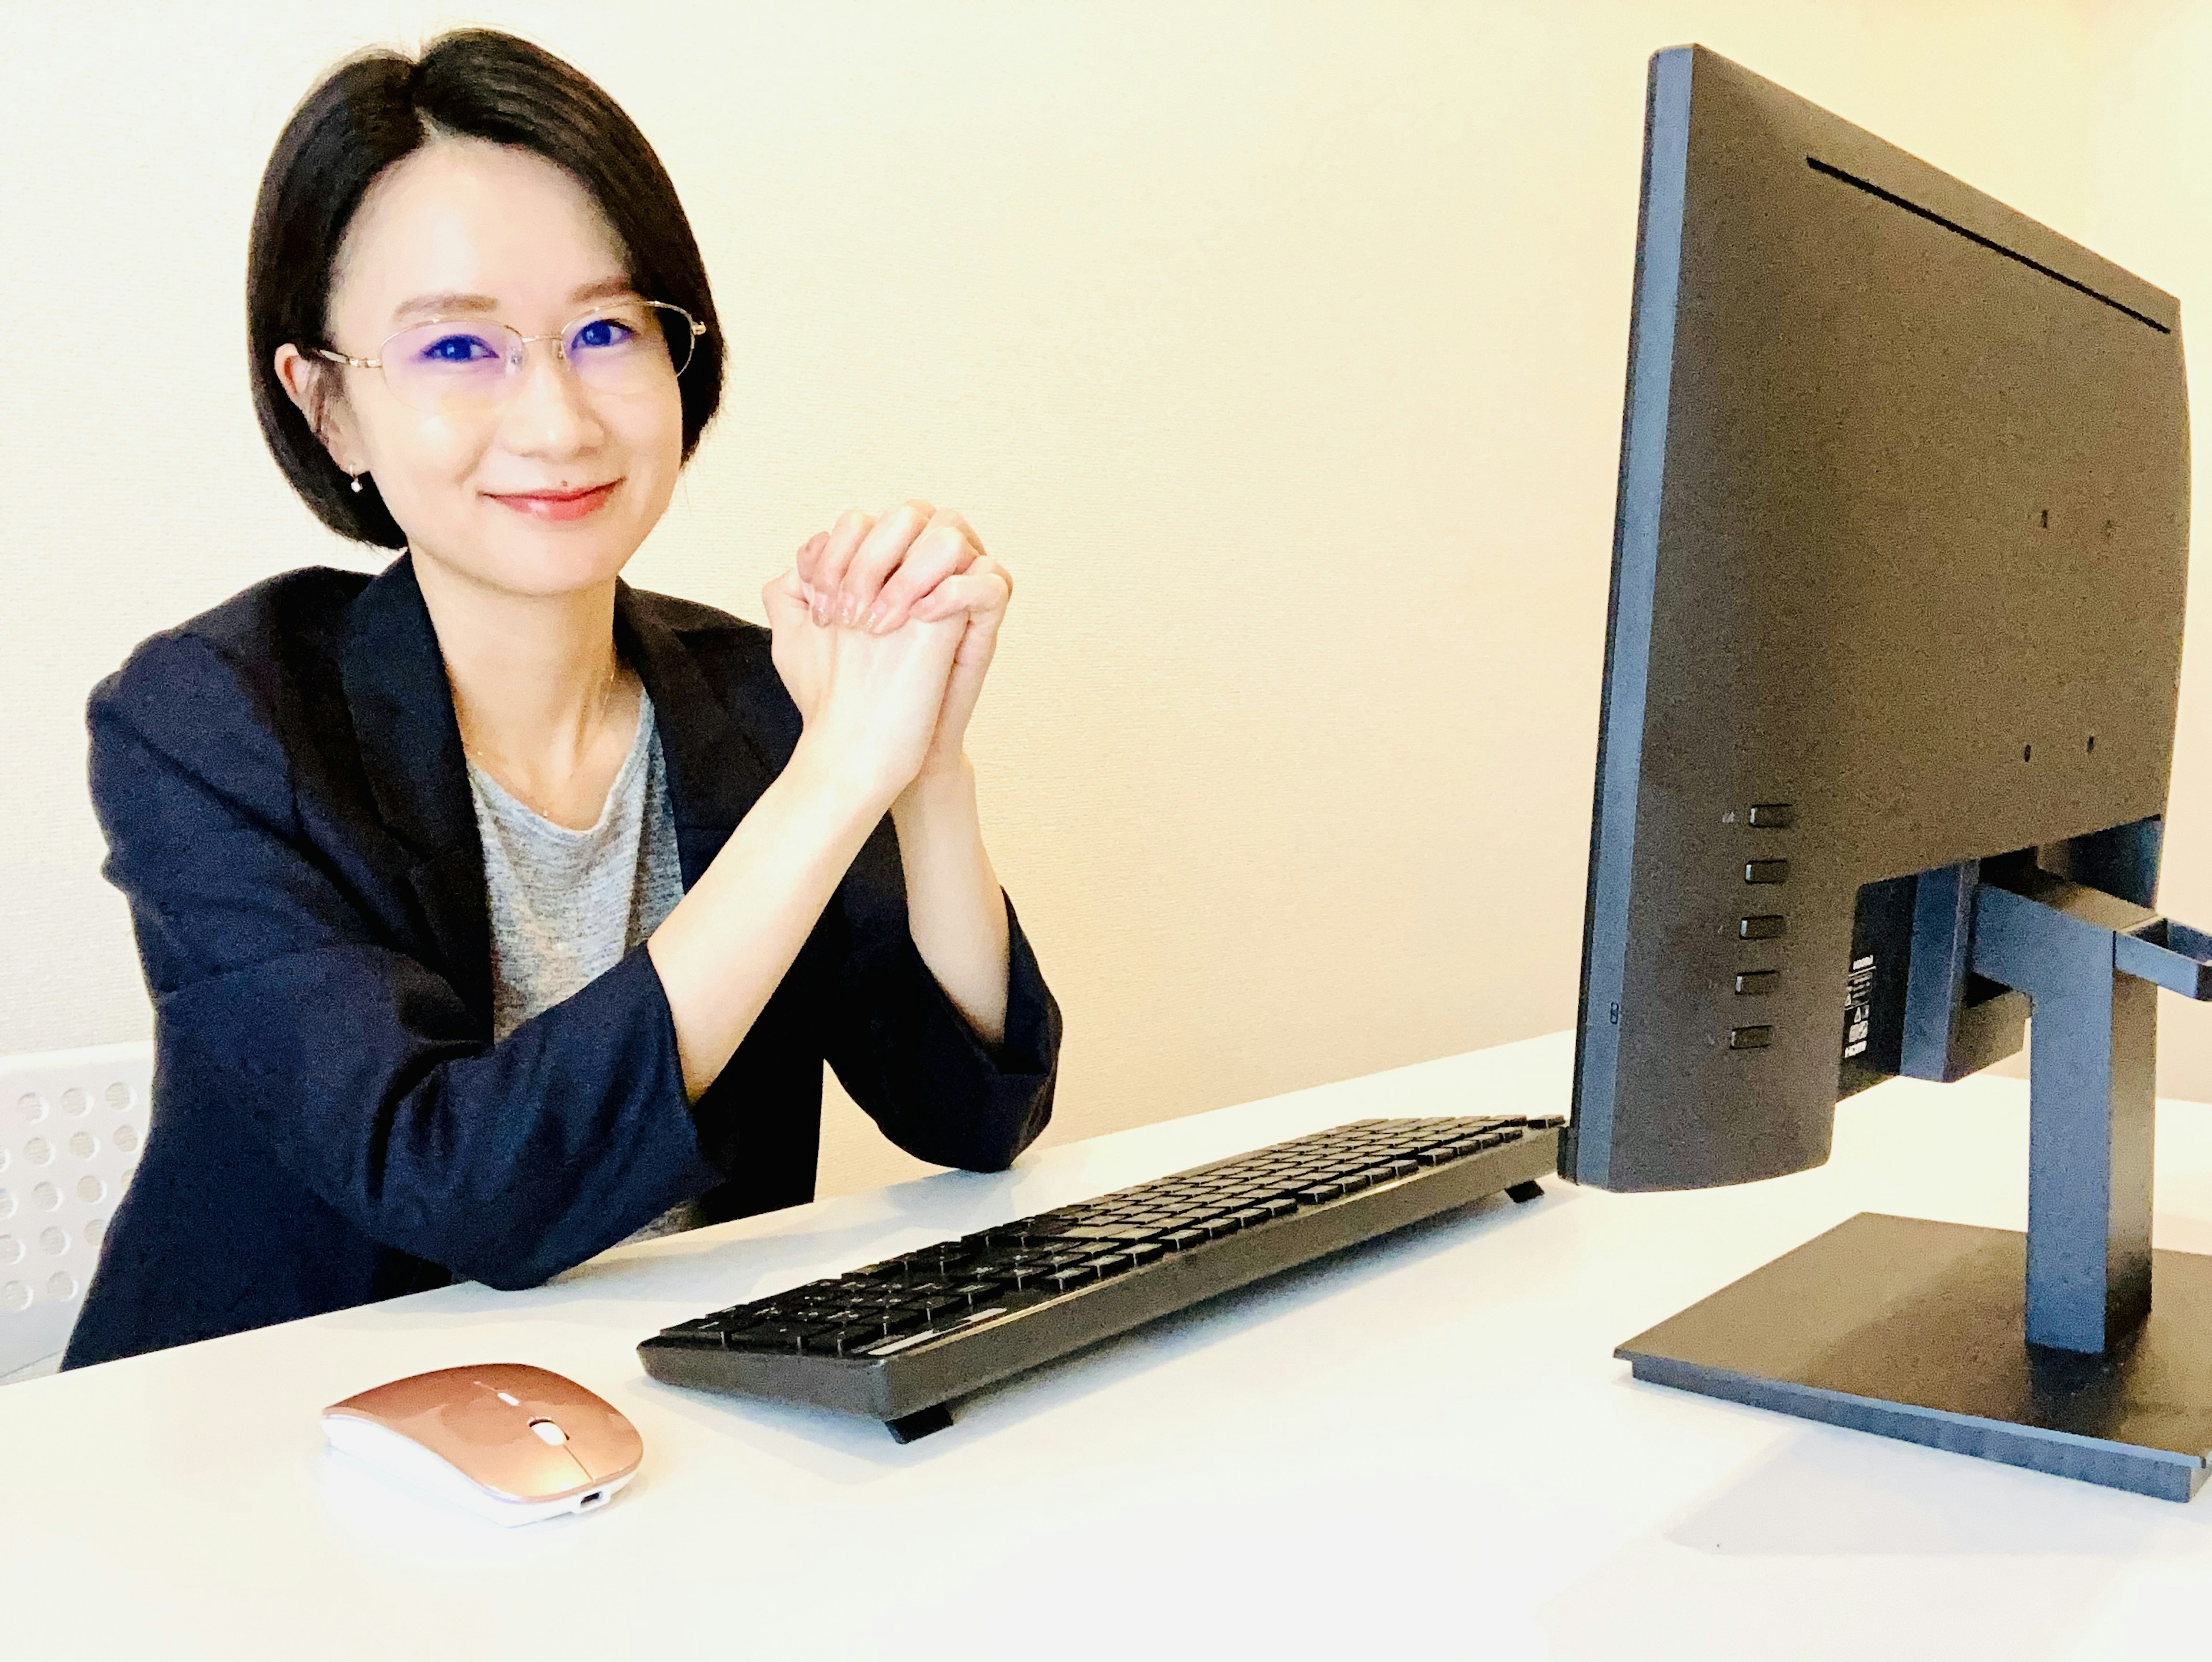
(72, 1123)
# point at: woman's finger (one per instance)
(852, 529)
(803, 566)
(878, 555)
(942, 550)
(785, 598)
(953, 517)
(984, 587)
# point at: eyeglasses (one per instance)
(623, 348)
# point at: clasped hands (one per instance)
(882, 631)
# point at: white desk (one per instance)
(1423, 1447)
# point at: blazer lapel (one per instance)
(395, 685)
(716, 768)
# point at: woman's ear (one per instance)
(314, 387)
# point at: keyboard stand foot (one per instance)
(919, 1423)
(1521, 1193)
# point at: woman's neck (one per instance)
(538, 691)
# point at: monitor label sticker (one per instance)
(1858, 1006)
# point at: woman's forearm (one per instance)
(956, 910)
(722, 952)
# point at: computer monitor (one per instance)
(1890, 688)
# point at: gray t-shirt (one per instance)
(567, 905)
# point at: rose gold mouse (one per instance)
(508, 1441)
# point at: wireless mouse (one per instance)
(506, 1440)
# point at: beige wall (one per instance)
(2151, 209)
(1278, 350)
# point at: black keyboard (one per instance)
(897, 1340)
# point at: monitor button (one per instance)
(1773, 816)
(1750, 1038)
(1766, 871)
(1757, 984)
(1761, 928)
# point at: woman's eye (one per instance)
(601, 332)
(458, 348)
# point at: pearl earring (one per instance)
(356, 484)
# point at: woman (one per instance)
(495, 911)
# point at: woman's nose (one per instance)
(550, 414)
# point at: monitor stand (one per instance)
(2048, 1350)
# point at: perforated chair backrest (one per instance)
(72, 1123)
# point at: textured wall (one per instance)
(1278, 348)
(2151, 209)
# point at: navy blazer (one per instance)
(287, 808)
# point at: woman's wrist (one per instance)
(937, 791)
(835, 776)
(955, 910)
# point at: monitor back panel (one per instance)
(1901, 545)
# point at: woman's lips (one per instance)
(559, 504)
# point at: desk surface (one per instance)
(1426, 1439)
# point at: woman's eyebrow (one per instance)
(446, 304)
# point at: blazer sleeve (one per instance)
(278, 996)
(904, 1052)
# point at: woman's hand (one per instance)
(916, 564)
(870, 703)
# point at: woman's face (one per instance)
(542, 492)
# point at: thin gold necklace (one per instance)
(599, 720)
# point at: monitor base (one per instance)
(1912, 1329)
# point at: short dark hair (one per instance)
(375, 108)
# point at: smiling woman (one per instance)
(495, 911)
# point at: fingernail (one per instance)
(875, 618)
(819, 606)
(849, 612)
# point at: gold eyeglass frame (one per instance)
(558, 336)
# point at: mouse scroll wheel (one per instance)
(549, 1434)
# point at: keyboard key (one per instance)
(770, 1335)
(1067, 1280)
(1320, 1192)
(1250, 1215)
(1119, 1232)
(1177, 1240)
